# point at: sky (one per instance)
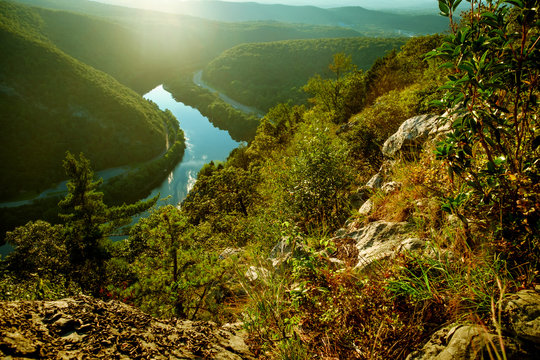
(363, 3)
(369, 4)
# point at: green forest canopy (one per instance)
(265, 74)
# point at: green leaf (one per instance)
(517, 3)
(491, 166)
(445, 9)
(456, 4)
(466, 67)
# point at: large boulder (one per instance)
(87, 328)
(521, 315)
(412, 134)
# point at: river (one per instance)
(204, 143)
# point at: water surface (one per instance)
(204, 143)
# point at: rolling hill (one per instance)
(51, 103)
(264, 74)
(141, 48)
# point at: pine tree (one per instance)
(89, 221)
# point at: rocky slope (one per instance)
(84, 328)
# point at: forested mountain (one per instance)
(356, 17)
(141, 48)
(51, 102)
(265, 74)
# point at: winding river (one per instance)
(204, 143)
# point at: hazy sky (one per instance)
(373, 4)
(364, 3)
(369, 4)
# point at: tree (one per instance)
(492, 93)
(89, 221)
(221, 190)
(319, 179)
(39, 248)
(341, 96)
(176, 276)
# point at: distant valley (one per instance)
(73, 72)
(358, 18)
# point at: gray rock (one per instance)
(284, 250)
(378, 240)
(229, 252)
(521, 315)
(360, 196)
(469, 342)
(16, 344)
(255, 273)
(412, 134)
(461, 342)
(29, 329)
(411, 245)
(375, 182)
(390, 187)
(366, 208)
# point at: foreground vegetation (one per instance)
(473, 197)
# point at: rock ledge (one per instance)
(84, 328)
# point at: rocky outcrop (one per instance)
(86, 328)
(409, 138)
(412, 134)
(470, 342)
(380, 240)
(520, 334)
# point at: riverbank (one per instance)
(197, 80)
(223, 115)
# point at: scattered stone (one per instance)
(391, 187)
(229, 252)
(375, 182)
(284, 250)
(255, 273)
(360, 196)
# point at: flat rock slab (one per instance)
(87, 328)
